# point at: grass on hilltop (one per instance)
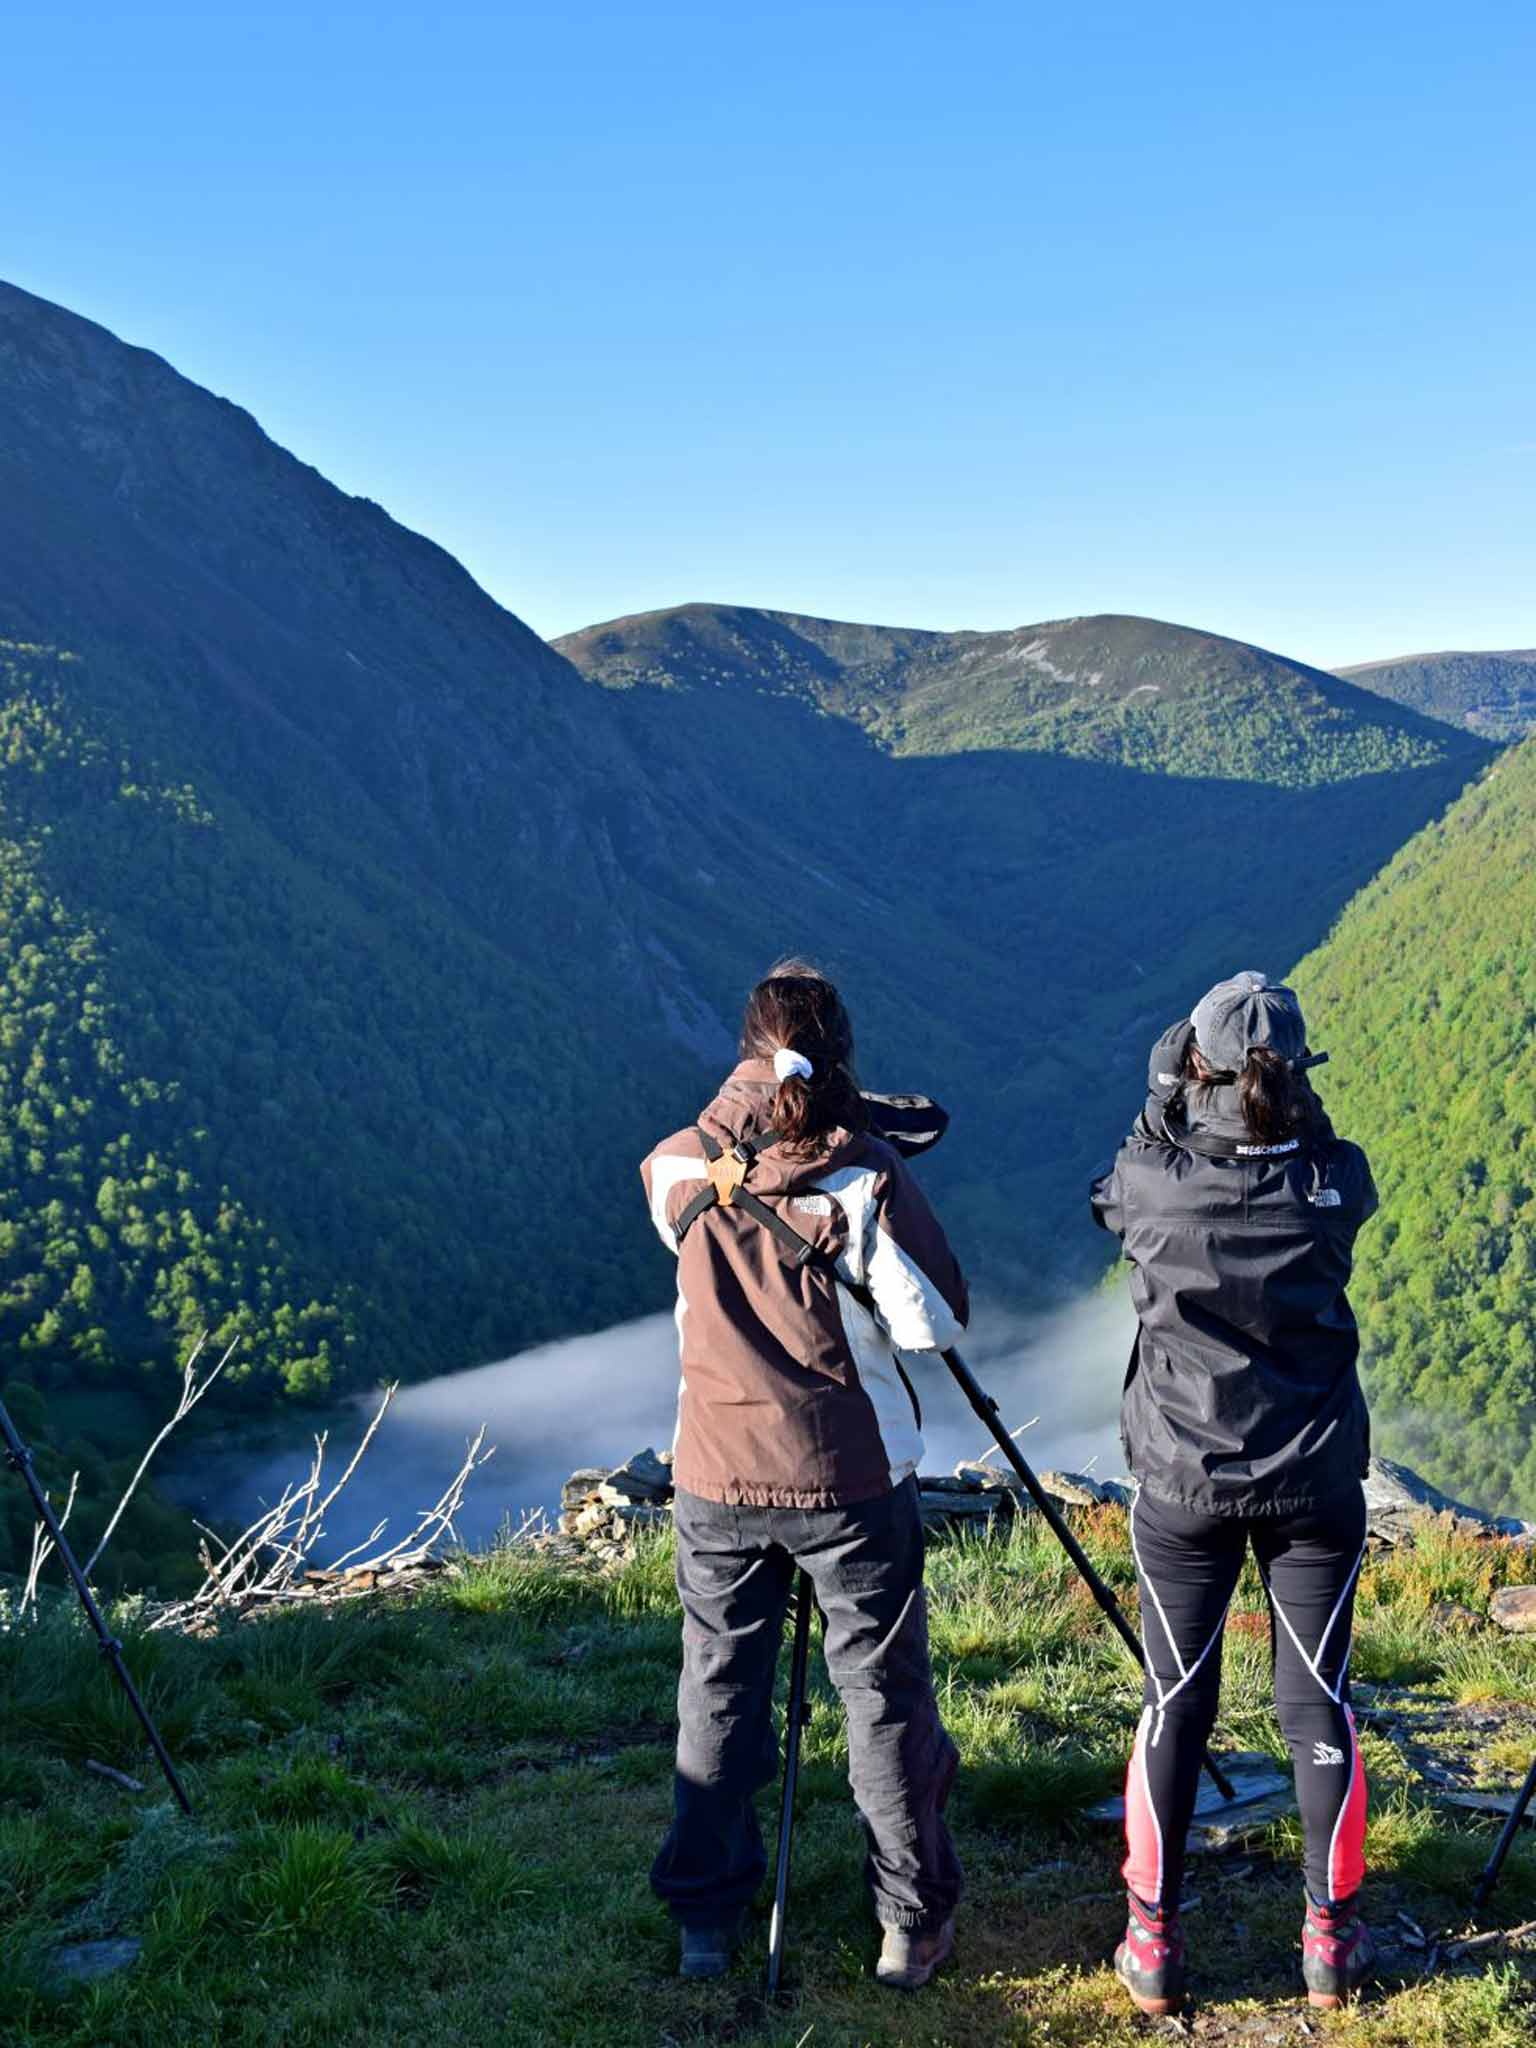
(432, 1822)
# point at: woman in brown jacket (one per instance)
(807, 1258)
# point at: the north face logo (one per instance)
(1325, 1753)
(1326, 1198)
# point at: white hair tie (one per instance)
(787, 1063)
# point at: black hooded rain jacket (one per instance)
(1242, 1396)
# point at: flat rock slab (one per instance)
(581, 1486)
(1514, 1608)
(1079, 1490)
(986, 1478)
(82, 1962)
(1394, 1495)
(1264, 1792)
(644, 1477)
(1487, 1802)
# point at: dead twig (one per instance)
(995, 1450)
(43, 1546)
(274, 1558)
(119, 1778)
(192, 1391)
(1455, 1949)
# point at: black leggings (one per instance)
(1188, 1566)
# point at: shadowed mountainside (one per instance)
(1491, 694)
(357, 944)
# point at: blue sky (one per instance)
(961, 315)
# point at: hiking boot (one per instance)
(1337, 1953)
(709, 1951)
(1150, 1960)
(908, 1957)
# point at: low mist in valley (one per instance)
(594, 1400)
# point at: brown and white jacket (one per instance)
(791, 1395)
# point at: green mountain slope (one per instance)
(355, 862)
(1134, 691)
(1428, 989)
(1491, 694)
(1050, 912)
(357, 945)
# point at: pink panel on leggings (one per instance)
(1346, 1854)
(1143, 1867)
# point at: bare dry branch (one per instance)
(437, 1521)
(114, 1777)
(271, 1559)
(1494, 1934)
(43, 1547)
(995, 1450)
(192, 1391)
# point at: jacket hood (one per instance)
(744, 1109)
(1219, 1111)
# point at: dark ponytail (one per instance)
(794, 1007)
(1277, 1103)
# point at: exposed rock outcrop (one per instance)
(602, 1509)
(1397, 1501)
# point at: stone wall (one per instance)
(602, 1508)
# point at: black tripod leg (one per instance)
(987, 1409)
(21, 1458)
(796, 1716)
(1501, 1848)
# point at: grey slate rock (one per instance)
(83, 1962)
(581, 1486)
(1397, 1497)
(642, 1478)
(1079, 1490)
(1264, 1792)
(1514, 1608)
(990, 1476)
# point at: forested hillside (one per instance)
(1134, 691)
(1426, 998)
(1492, 694)
(357, 945)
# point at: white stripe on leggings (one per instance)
(1185, 1675)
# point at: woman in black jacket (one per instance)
(1243, 1422)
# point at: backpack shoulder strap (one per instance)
(726, 1189)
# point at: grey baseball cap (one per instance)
(1246, 1011)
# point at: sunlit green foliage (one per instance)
(1426, 998)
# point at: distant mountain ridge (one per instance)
(1111, 688)
(1492, 694)
(357, 944)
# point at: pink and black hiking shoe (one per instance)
(1337, 1953)
(1150, 1960)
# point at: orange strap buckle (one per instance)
(727, 1174)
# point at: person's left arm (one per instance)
(919, 1290)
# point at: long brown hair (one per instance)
(1277, 1103)
(796, 1007)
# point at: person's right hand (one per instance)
(1165, 1068)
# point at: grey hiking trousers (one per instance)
(735, 1569)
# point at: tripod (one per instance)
(18, 1455)
(797, 1714)
(798, 1711)
(987, 1409)
(1501, 1847)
